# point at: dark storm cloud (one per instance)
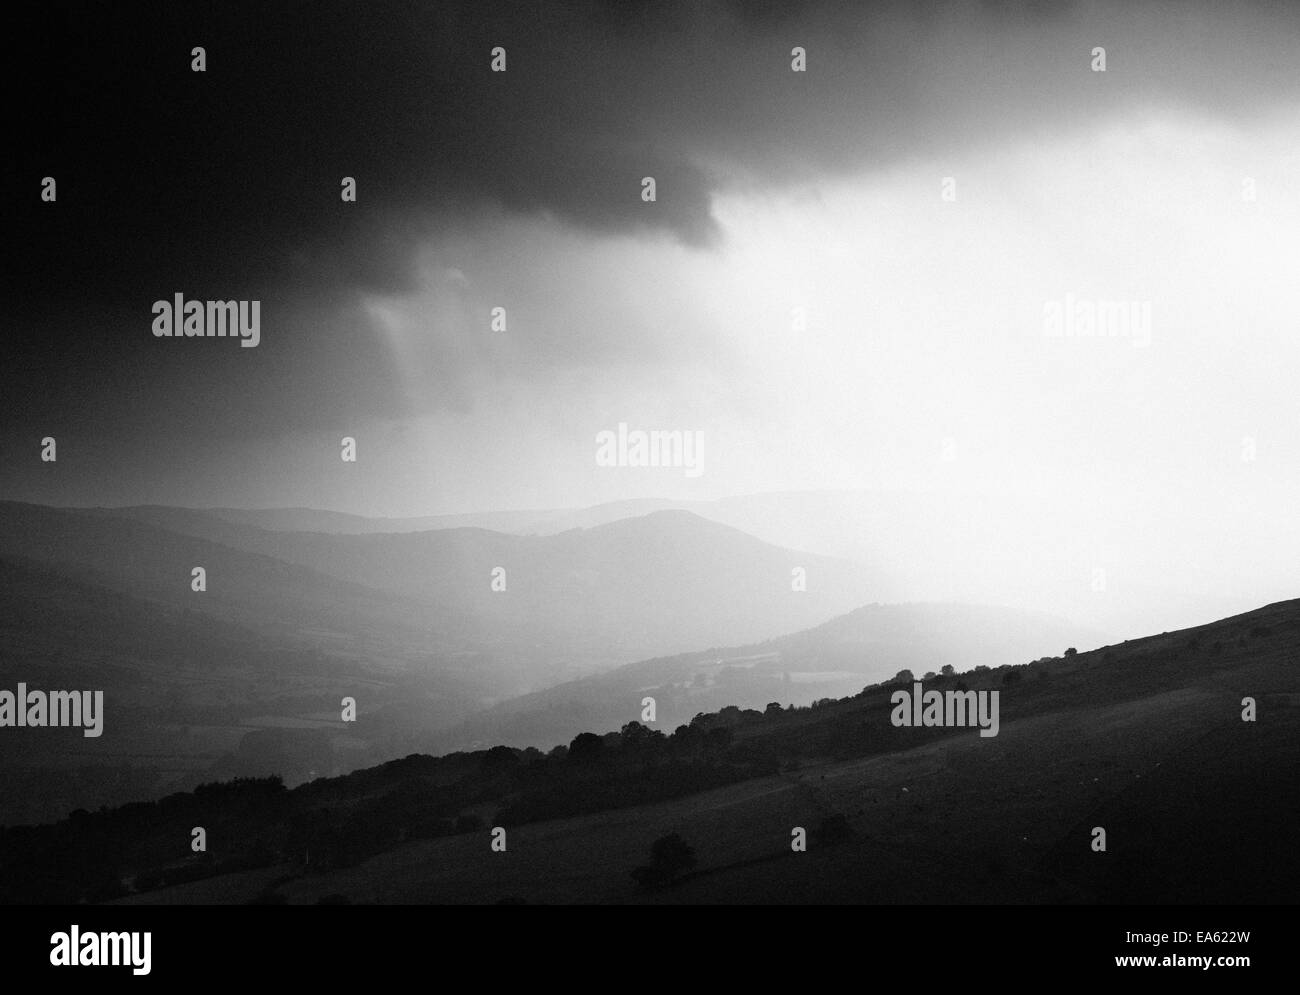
(226, 183)
(168, 176)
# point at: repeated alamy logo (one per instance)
(207, 319)
(684, 450)
(58, 709)
(926, 709)
(1084, 318)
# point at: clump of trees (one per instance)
(670, 857)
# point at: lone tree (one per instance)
(947, 670)
(669, 856)
(904, 677)
(1071, 651)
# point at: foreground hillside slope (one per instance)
(1144, 739)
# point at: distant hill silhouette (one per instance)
(1013, 549)
(575, 602)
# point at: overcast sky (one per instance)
(922, 360)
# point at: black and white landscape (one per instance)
(652, 452)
